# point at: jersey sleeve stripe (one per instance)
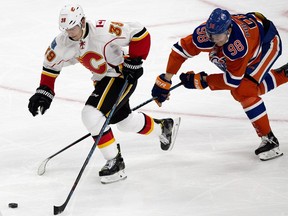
(179, 49)
(231, 80)
(140, 35)
(50, 73)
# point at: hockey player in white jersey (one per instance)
(99, 48)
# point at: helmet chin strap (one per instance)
(228, 33)
(83, 27)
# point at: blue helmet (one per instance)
(218, 22)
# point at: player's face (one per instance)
(219, 39)
(75, 33)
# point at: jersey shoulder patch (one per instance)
(200, 39)
(237, 45)
(58, 41)
(100, 23)
(53, 44)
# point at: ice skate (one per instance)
(283, 69)
(113, 170)
(169, 132)
(269, 148)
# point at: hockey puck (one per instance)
(13, 205)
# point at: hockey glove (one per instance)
(161, 89)
(132, 69)
(41, 99)
(194, 81)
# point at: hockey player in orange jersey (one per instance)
(99, 48)
(244, 47)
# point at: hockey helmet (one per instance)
(218, 22)
(70, 16)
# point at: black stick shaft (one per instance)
(60, 209)
(87, 135)
(154, 98)
(77, 141)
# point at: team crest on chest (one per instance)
(82, 44)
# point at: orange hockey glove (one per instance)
(161, 89)
(194, 81)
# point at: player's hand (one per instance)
(132, 69)
(161, 89)
(194, 81)
(40, 100)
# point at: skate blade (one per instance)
(174, 132)
(119, 176)
(273, 153)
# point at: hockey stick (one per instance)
(154, 98)
(60, 209)
(42, 167)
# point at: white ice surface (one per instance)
(212, 170)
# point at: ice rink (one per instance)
(212, 170)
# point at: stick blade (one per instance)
(42, 167)
(59, 209)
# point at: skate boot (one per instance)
(269, 148)
(169, 132)
(283, 69)
(113, 170)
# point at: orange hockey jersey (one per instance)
(239, 56)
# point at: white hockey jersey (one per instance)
(100, 50)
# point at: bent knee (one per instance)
(247, 89)
(93, 119)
